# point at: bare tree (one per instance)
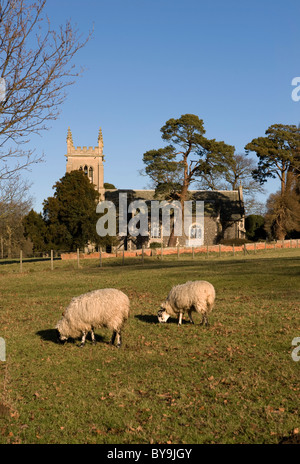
(15, 203)
(238, 171)
(36, 66)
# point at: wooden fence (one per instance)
(156, 252)
(179, 250)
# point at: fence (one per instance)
(100, 255)
(161, 252)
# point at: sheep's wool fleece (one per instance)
(199, 295)
(107, 307)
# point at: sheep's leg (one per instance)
(119, 340)
(180, 319)
(83, 339)
(190, 317)
(93, 336)
(112, 341)
(113, 338)
(204, 320)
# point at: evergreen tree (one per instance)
(70, 214)
(188, 156)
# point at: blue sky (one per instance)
(229, 62)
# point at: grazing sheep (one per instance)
(107, 307)
(196, 296)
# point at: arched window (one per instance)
(80, 169)
(195, 232)
(85, 170)
(91, 174)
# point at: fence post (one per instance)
(78, 265)
(244, 249)
(207, 251)
(21, 261)
(51, 254)
(255, 248)
(100, 256)
(178, 251)
(162, 249)
(123, 257)
(233, 250)
(219, 251)
(142, 254)
(193, 253)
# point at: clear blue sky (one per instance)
(230, 62)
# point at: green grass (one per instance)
(232, 382)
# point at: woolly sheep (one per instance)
(107, 307)
(196, 296)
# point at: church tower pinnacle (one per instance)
(70, 144)
(100, 141)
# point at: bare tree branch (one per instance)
(36, 63)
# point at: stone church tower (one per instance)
(87, 159)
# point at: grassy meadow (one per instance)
(231, 382)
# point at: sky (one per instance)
(229, 62)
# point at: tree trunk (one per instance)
(9, 236)
(172, 242)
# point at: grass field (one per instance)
(232, 382)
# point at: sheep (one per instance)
(196, 296)
(106, 307)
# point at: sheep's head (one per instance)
(61, 338)
(162, 314)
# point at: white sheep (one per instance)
(107, 307)
(198, 296)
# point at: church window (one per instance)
(91, 174)
(86, 170)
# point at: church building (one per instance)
(224, 216)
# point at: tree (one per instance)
(35, 64)
(36, 230)
(188, 156)
(108, 186)
(283, 215)
(279, 156)
(15, 203)
(254, 225)
(237, 171)
(70, 214)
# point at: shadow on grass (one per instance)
(50, 335)
(152, 319)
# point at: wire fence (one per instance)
(141, 254)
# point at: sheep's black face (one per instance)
(162, 315)
(60, 338)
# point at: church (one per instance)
(224, 215)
